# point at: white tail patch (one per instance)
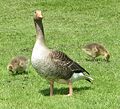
(77, 76)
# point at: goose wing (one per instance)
(65, 65)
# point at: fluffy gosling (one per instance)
(18, 64)
(94, 50)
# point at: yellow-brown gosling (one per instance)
(94, 50)
(18, 64)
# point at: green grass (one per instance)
(69, 24)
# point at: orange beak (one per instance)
(38, 14)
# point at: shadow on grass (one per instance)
(62, 91)
(20, 73)
(14, 77)
(97, 60)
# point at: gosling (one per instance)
(94, 50)
(18, 64)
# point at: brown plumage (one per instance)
(18, 64)
(94, 50)
(54, 65)
(66, 65)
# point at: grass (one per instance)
(69, 24)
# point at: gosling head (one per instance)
(107, 57)
(12, 67)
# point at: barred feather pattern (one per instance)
(64, 65)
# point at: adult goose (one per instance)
(54, 65)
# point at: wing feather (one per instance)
(65, 65)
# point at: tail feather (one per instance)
(81, 70)
(89, 79)
(81, 76)
(87, 72)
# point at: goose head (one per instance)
(38, 15)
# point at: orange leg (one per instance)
(51, 87)
(70, 88)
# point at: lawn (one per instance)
(68, 24)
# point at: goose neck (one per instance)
(39, 31)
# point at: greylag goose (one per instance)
(94, 50)
(54, 65)
(18, 64)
